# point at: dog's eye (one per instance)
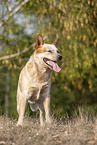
(57, 51)
(49, 51)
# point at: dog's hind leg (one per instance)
(22, 108)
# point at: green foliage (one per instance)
(75, 23)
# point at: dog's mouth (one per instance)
(52, 64)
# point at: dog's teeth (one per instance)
(48, 62)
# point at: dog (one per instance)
(35, 80)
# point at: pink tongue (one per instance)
(55, 66)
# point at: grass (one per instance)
(81, 130)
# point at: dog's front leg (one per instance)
(47, 108)
(22, 108)
(41, 109)
(41, 116)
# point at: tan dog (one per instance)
(35, 80)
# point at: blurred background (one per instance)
(75, 23)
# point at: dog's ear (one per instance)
(39, 41)
(56, 42)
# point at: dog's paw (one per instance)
(19, 124)
(48, 120)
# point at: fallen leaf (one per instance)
(58, 141)
(2, 142)
(91, 142)
(61, 130)
(55, 136)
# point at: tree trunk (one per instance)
(7, 93)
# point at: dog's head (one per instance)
(48, 53)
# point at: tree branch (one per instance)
(16, 54)
(14, 12)
(19, 53)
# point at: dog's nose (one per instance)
(59, 57)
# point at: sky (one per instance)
(20, 19)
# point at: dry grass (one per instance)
(80, 131)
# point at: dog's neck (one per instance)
(42, 72)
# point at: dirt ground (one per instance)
(81, 130)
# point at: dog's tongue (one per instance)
(55, 66)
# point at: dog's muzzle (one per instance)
(59, 57)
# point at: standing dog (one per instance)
(35, 80)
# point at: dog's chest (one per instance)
(34, 93)
(37, 75)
